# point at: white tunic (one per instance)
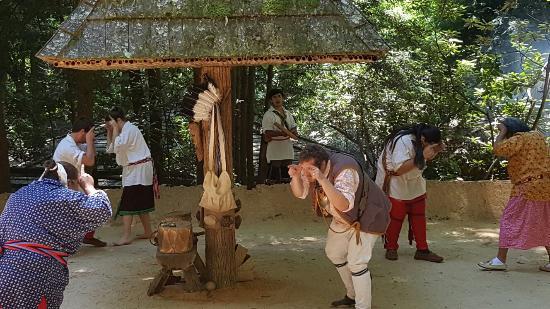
(280, 147)
(129, 146)
(69, 151)
(409, 185)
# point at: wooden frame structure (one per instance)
(213, 35)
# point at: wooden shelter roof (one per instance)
(132, 34)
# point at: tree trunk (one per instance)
(236, 90)
(82, 85)
(249, 136)
(155, 118)
(220, 242)
(5, 185)
(136, 93)
(81, 89)
(199, 164)
(243, 111)
(262, 170)
(544, 94)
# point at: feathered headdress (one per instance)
(199, 100)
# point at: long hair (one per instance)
(431, 134)
(514, 125)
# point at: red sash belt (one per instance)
(44, 250)
(156, 184)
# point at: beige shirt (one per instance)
(280, 147)
(409, 185)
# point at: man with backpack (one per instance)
(360, 213)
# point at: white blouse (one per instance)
(409, 185)
(130, 146)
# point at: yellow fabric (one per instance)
(528, 157)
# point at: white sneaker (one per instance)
(490, 265)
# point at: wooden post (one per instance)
(220, 238)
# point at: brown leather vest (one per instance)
(371, 207)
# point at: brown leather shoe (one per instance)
(427, 255)
(391, 255)
(345, 302)
(94, 242)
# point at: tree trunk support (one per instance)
(220, 237)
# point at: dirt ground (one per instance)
(287, 244)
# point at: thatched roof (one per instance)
(130, 34)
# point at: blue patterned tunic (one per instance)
(46, 213)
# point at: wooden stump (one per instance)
(220, 238)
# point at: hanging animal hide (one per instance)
(217, 194)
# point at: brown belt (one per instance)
(531, 178)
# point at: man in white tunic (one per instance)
(78, 149)
(126, 141)
(280, 152)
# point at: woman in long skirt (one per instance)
(525, 223)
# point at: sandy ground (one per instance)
(287, 244)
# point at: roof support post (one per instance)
(220, 238)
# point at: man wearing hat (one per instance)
(280, 152)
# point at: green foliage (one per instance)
(445, 67)
(218, 8)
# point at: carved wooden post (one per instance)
(220, 227)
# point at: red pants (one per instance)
(416, 210)
(89, 235)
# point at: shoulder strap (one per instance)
(283, 119)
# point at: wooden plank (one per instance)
(92, 40)
(159, 38)
(240, 255)
(77, 18)
(140, 37)
(175, 37)
(192, 280)
(116, 38)
(55, 45)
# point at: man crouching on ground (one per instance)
(359, 211)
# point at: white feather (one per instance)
(210, 96)
(214, 91)
(205, 99)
